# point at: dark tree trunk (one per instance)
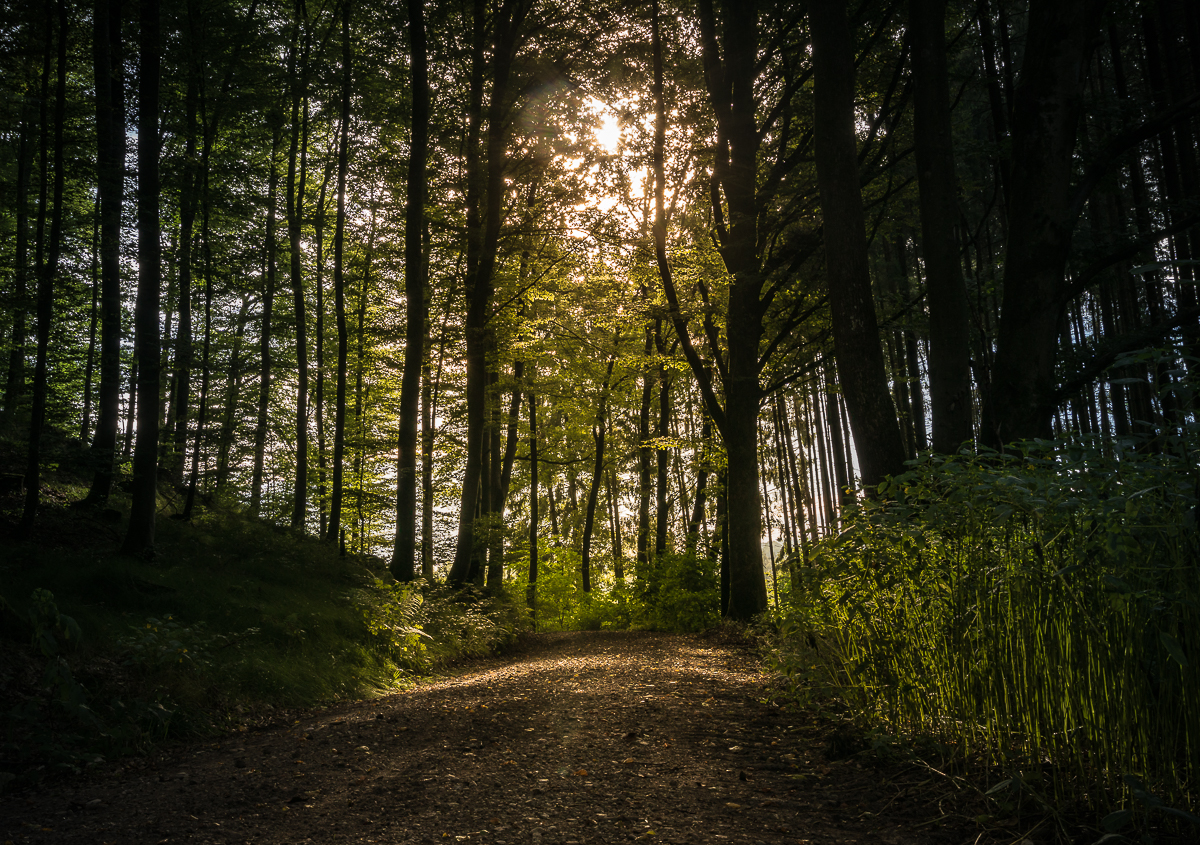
(139, 538)
(531, 589)
(598, 425)
(264, 343)
(610, 485)
(14, 385)
(175, 452)
(295, 219)
(202, 410)
(339, 289)
(48, 268)
(861, 372)
(405, 552)
(644, 454)
(232, 396)
(89, 370)
(1046, 109)
(946, 292)
(109, 187)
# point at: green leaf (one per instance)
(1000, 787)
(1115, 821)
(1172, 647)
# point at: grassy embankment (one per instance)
(232, 621)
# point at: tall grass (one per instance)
(1039, 613)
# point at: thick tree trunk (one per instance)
(139, 538)
(946, 291)
(860, 366)
(416, 313)
(1047, 106)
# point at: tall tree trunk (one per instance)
(175, 452)
(232, 394)
(416, 312)
(268, 306)
(14, 385)
(1046, 108)
(202, 410)
(506, 26)
(946, 292)
(614, 507)
(319, 399)
(644, 454)
(48, 268)
(531, 589)
(89, 370)
(861, 372)
(598, 426)
(295, 219)
(339, 289)
(139, 538)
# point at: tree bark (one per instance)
(405, 552)
(1047, 105)
(339, 289)
(139, 537)
(860, 366)
(946, 291)
(268, 306)
(48, 269)
(598, 427)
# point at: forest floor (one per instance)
(596, 737)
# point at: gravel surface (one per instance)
(578, 738)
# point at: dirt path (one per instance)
(582, 738)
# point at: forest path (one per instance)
(598, 737)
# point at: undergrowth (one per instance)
(1035, 615)
(233, 622)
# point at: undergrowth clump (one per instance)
(1035, 613)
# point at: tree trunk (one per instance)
(860, 366)
(405, 552)
(531, 589)
(597, 472)
(946, 292)
(232, 394)
(339, 290)
(14, 385)
(1046, 108)
(139, 538)
(48, 269)
(295, 218)
(268, 305)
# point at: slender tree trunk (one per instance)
(232, 394)
(202, 410)
(861, 372)
(614, 506)
(295, 220)
(89, 369)
(531, 589)
(110, 170)
(319, 399)
(644, 454)
(175, 452)
(663, 456)
(405, 552)
(139, 538)
(597, 471)
(339, 288)
(48, 269)
(268, 306)
(14, 385)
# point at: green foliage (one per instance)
(680, 592)
(1039, 612)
